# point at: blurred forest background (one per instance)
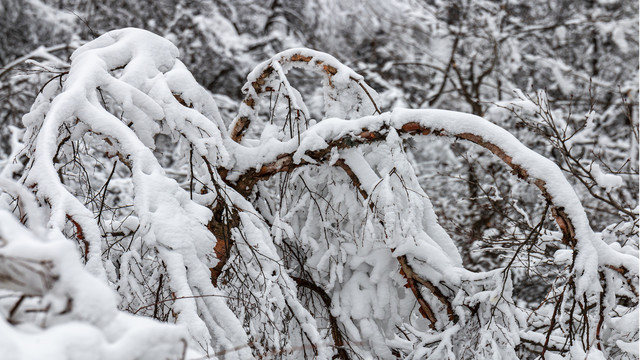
(561, 75)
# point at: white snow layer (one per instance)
(81, 320)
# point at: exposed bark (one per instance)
(80, 236)
(242, 123)
(336, 334)
(221, 224)
(285, 162)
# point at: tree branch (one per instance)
(362, 136)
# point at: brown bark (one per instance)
(80, 236)
(241, 125)
(336, 335)
(285, 162)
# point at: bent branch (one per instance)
(285, 161)
(524, 163)
(260, 82)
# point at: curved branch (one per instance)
(338, 339)
(361, 135)
(260, 81)
(526, 164)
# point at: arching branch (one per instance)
(525, 163)
(285, 162)
(335, 75)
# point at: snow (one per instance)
(609, 182)
(629, 347)
(344, 92)
(521, 105)
(618, 37)
(82, 318)
(163, 208)
(592, 251)
(537, 167)
(127, 87)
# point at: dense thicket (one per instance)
(297, 217)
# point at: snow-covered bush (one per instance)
(285, 235)
(53, 308)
